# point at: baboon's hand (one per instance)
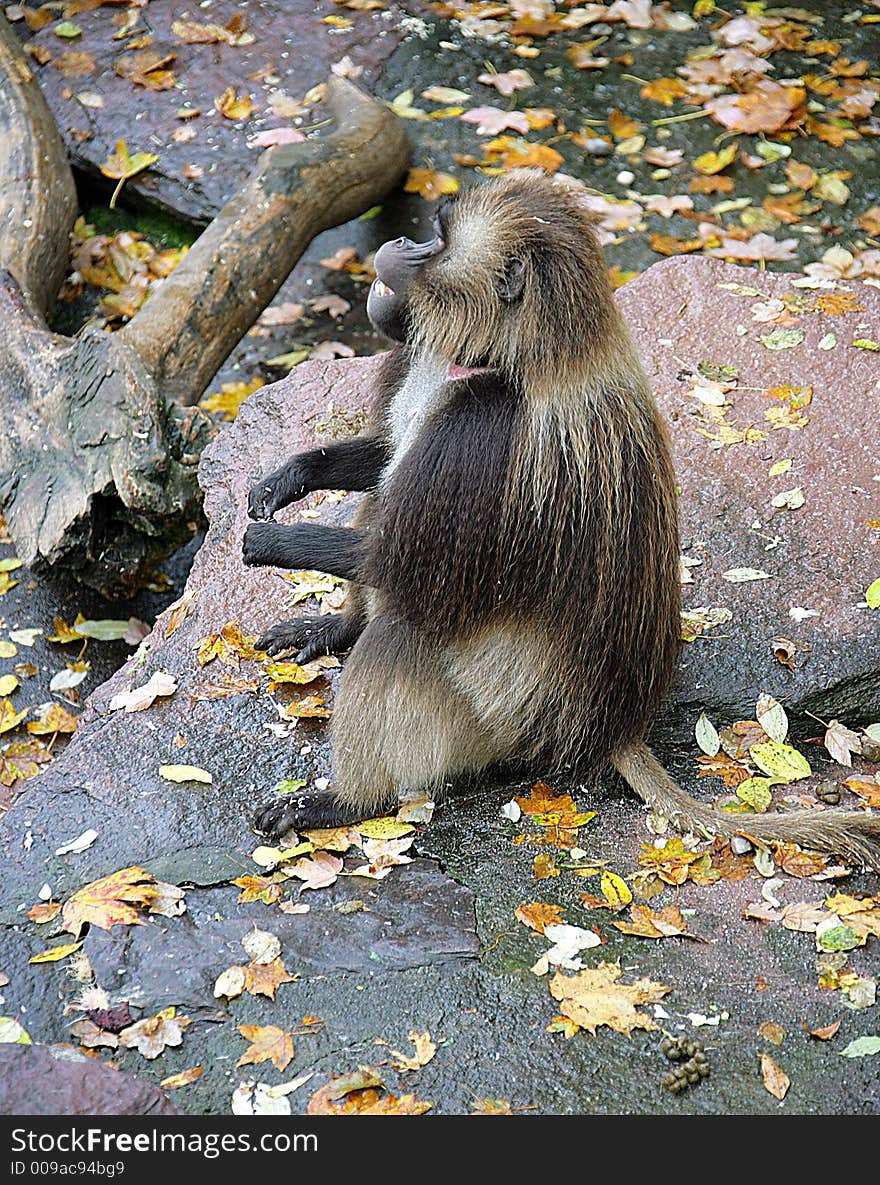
(277, 489)
(310, 637)
(300, 812)
(260, 544)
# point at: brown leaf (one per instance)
(42, 913)
(766, 107)
(771, 1031)
(268, 1043)
(424, 1051)
(645, 923)
(538, 914)
(152, 1035)
(826, 1032)
(264, 979)
(775, 1079)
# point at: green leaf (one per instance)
(10, 564)
(67, 29)
(289, 786)
(863, 343)
(781, 762)
(718, 372)
(872, 596)
(862, 1047)
(838, 938)
(102, 631)
(288, 360)
(783, 339)
(755, 792)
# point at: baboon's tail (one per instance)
(854, 836)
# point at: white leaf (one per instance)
(139, 698)
(796, 613)
(66, 679)
(742, 575)
(79, 844)
(770, 714)
(841, 742)
(707, 735)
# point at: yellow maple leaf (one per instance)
(110, 901)
(268, 1043)
(595, 997)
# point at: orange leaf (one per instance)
(111, 901)
(538, 914)
(430, 184)
(268, 1043)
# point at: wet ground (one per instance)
(436, 946)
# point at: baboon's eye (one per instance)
(441, 218)
(511, 284)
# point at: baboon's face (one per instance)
(398, 262)
(511, 277)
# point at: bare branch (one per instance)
(189, 326)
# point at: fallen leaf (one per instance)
(772, 1032)
(862, 1047)
(780, 762)
(54, 953)
(538, 914)
(111, 901)
(184, 1078)
(595, 997)
(318, 871)
(137, 699)
(430, 184)
(234, 107)
(265, 979)
(152, 1035)
(775, 1079)
(122, 165)
(424, 1050)
(185, 773)
(268, 1043)
(507, 83)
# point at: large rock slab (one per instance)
(820, 557)
(405, 956)
(292, 51)
(58, 1080)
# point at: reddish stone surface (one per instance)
(58, 1080)
(822, 556)
(292, 45)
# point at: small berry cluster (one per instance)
(694, 1064)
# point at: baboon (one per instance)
(515, 591)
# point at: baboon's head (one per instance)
(513, 279)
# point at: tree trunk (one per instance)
(98, 448)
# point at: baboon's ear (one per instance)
(511, 284)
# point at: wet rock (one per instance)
(820, 557)
(292, 51)
(419, 923)
(58, 1080)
